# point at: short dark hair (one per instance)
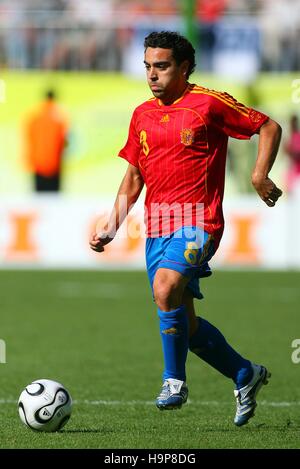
(182, 49)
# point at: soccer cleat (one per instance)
(174, 393)
(246, 396)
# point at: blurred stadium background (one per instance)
(91, 53)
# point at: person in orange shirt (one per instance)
(45, 141)
(292, 149)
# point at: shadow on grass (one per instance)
(89, 430)
(253, 427)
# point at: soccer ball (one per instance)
(45, 405)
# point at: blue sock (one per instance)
(175, 343)
(210, 345)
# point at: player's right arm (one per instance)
(128, 193)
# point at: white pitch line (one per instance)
(133, 403)
(8, 401)
(202, 403)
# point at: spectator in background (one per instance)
(45, 141)
(292, 148)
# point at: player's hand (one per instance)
(267, 190)
(98, 241)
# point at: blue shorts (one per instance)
(187, 251)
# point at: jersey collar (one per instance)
(187, 89)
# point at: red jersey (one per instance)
(180, 150)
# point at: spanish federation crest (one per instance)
(254, 116)
(187, 136)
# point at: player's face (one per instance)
(166, 79)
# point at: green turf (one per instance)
(97, 332)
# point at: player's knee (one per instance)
(166, 296)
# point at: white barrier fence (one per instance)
(53, 232)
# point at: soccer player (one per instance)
(177, 147)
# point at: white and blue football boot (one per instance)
(174, 393)
(246, 396)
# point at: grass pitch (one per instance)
(97, 333)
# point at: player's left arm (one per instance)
(239, 121)
(268, 144)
